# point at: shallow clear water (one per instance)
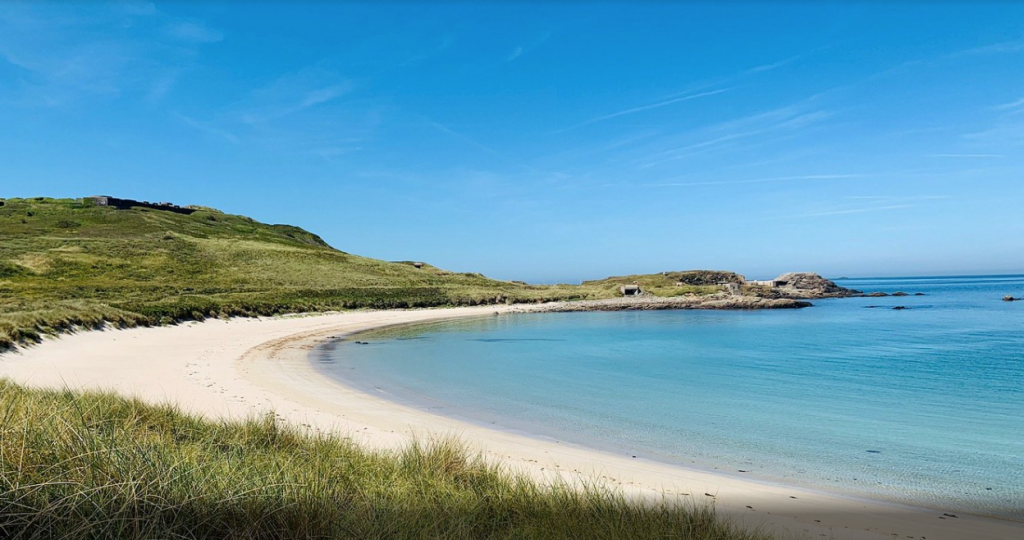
(923, 406)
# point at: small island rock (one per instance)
(809, 285)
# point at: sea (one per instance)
(922, 406)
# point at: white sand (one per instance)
(245, 366)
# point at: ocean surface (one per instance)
(923, 406)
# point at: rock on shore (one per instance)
(811, 285)
(679, 302)
(803, 285)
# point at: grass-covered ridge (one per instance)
(668, 284)
(100, 466)
(68, 262)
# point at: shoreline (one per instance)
(436, 406)
(653, 303)
(422, 405)
(241, 367)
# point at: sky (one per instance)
(547, 142)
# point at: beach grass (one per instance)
(67, 263)
(100, 466)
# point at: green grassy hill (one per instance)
(667, 284)
(69, 262)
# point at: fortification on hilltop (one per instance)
(126, 204)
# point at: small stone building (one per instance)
(630, 290)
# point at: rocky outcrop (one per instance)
(645, 303)
(809, 285)
(1009, 298)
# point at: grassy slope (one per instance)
(64, 262)
(99, 466)
(699, 282)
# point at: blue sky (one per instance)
(545, 142)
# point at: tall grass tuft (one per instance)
(99, 466)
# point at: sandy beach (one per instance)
(241, 367)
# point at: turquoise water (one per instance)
(922, 406)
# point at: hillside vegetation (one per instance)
(667, 284)
(69, 262)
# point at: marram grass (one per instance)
(99, 466)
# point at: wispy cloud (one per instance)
(323, 95)
(967, 156)
(481, 146)
(330, 153)
(520, 50)
(856, 210)
(110, 51)
(1003, 133)
(162, 85)
(994, 48)
(802, 177)
(464, 138)
(194, 32)
(293, 93)
(865, 204)
(208, 128)
(896, 198)
(772, 66)
(676, 98)
(783, 120)
(706, 88)
(1018, 104)
(516, 53)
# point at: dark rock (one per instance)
(900, 293)
(901, 307)
(876, 294)
(1009, 298)
(809, 285)
(919, 294)
(642, 303)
